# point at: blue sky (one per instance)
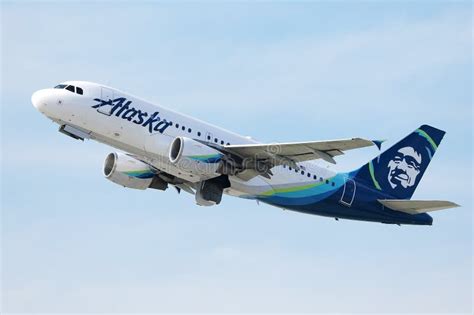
(74, 242)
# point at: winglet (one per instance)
(378, 143)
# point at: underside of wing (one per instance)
(417, 206)
(289, 153)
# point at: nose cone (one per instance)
(40, 100)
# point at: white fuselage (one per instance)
(127, 129)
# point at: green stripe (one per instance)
(137, 172)
(427, 136)
(371, 170)
(204, 156)
(291, 189)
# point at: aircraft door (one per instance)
(349, 192)
(106, 95)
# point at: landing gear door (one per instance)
(349, 192)
(106, 95)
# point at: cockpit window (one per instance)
(71, 88)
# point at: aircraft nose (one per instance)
(39, 99)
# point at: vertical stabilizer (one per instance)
(398, 170)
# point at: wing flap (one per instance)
(417, 206)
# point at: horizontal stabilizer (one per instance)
(417, 206)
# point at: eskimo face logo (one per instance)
(404, 168)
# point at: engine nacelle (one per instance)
(194, 157)
(126, 171)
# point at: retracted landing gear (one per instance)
(209, 192)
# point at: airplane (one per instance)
(162, 148)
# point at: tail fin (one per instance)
(398, 170)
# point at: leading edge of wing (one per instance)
(352, 143)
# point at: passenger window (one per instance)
(215, 140)
(177, 125)
(189, 130)
(70, 88)
(79, 91)
(208, 137)
(199, 133)
(183, 128)
(222, 142)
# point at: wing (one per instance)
(417, 206)
(249, 160)
(289, 153)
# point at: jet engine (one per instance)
(195, 157)
(129, 172)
